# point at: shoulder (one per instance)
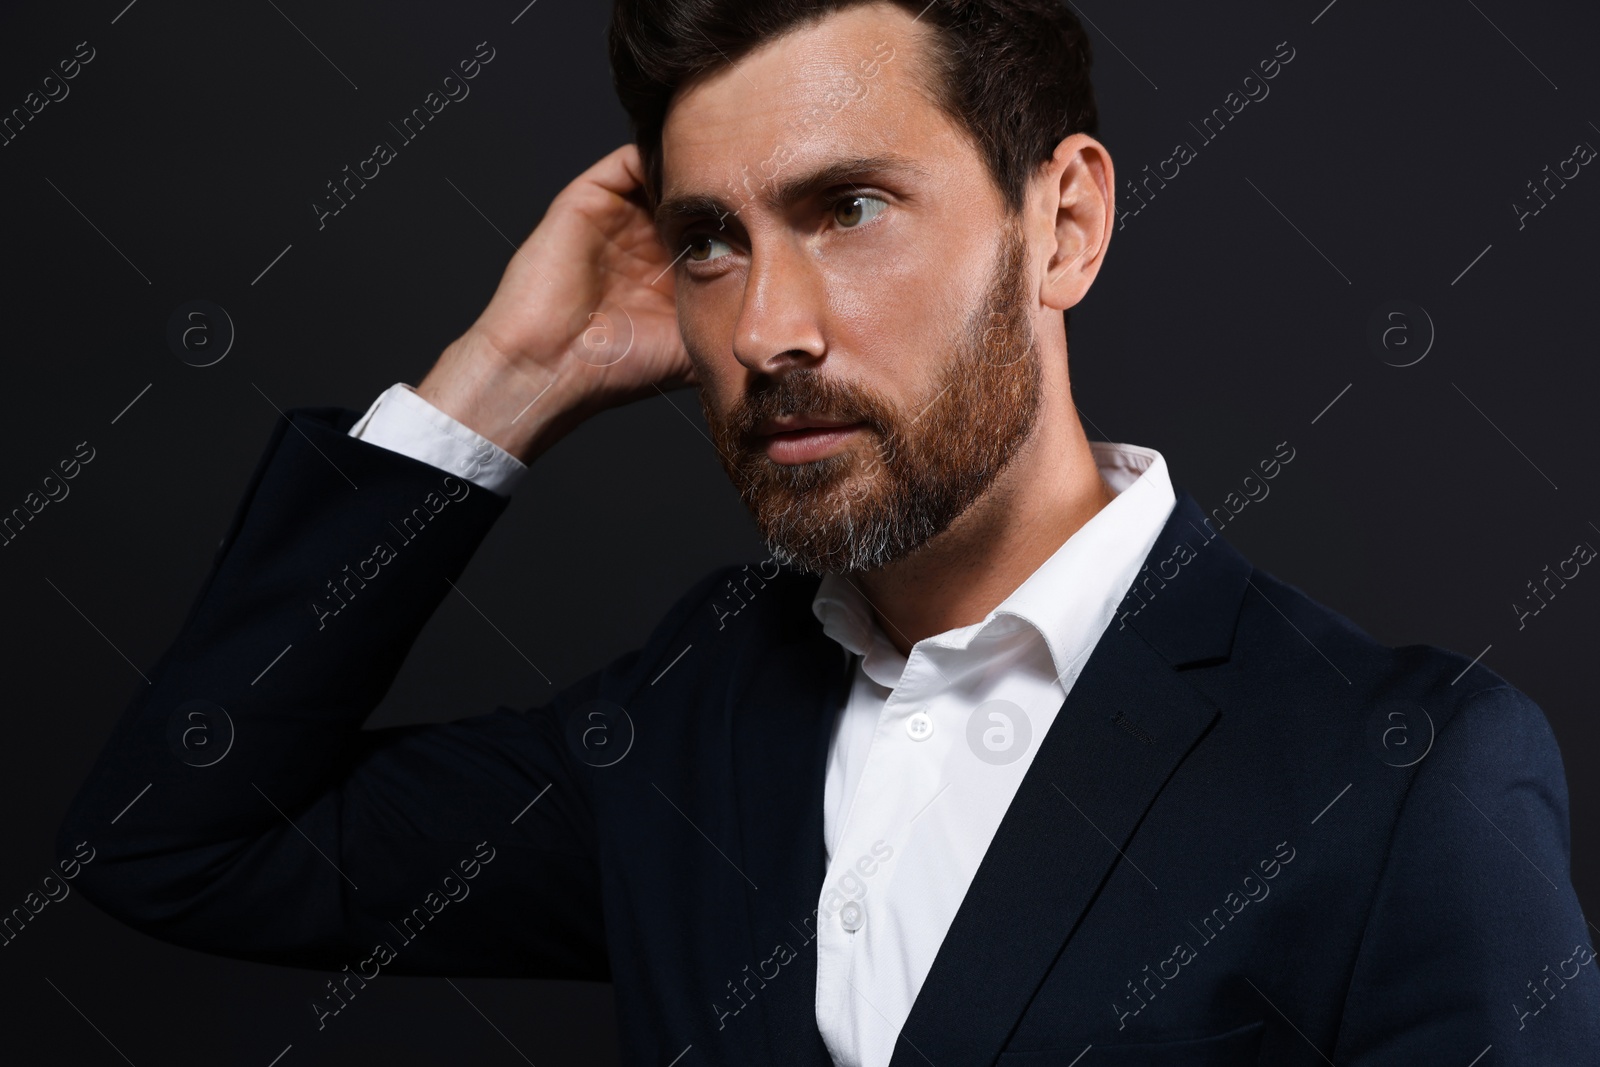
(1290, 647)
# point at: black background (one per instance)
(1231, 312)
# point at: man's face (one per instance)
(847, 261)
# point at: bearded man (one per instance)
(1010, 757)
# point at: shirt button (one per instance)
(920, 726)
(851, 917)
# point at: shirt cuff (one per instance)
(401, 421)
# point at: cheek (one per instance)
(911, 286)
(705, 322)
(706, 337)
(899, 322)
(717, 389)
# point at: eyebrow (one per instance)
(676, 212)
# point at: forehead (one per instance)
(853, 84)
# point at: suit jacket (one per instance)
(1252, 835)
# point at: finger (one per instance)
(620, 171)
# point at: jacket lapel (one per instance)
(1074, 816)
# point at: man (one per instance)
(1004, 756)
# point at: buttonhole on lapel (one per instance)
(1132, 728)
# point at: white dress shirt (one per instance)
(403, 422)
(929, 748)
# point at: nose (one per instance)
(780, 319)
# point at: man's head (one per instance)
(883, 212)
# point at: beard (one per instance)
(929, 462)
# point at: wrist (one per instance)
(523, 406)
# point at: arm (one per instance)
(207, 855)
(1475, 937)
(309, 841)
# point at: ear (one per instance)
(1075, 198)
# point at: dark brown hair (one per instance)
(1013, 73)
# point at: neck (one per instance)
(1049, 490)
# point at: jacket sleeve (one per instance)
(1475, 939)
(240, 809)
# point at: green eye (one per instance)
(702, 248)
(852, 211)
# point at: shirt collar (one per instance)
(1067, 601)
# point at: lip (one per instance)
(803, 439)
(790, 423)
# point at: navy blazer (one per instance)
(1252, 835)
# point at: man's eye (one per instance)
(854, 210)
(703, 248)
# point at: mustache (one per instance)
(808, 392)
